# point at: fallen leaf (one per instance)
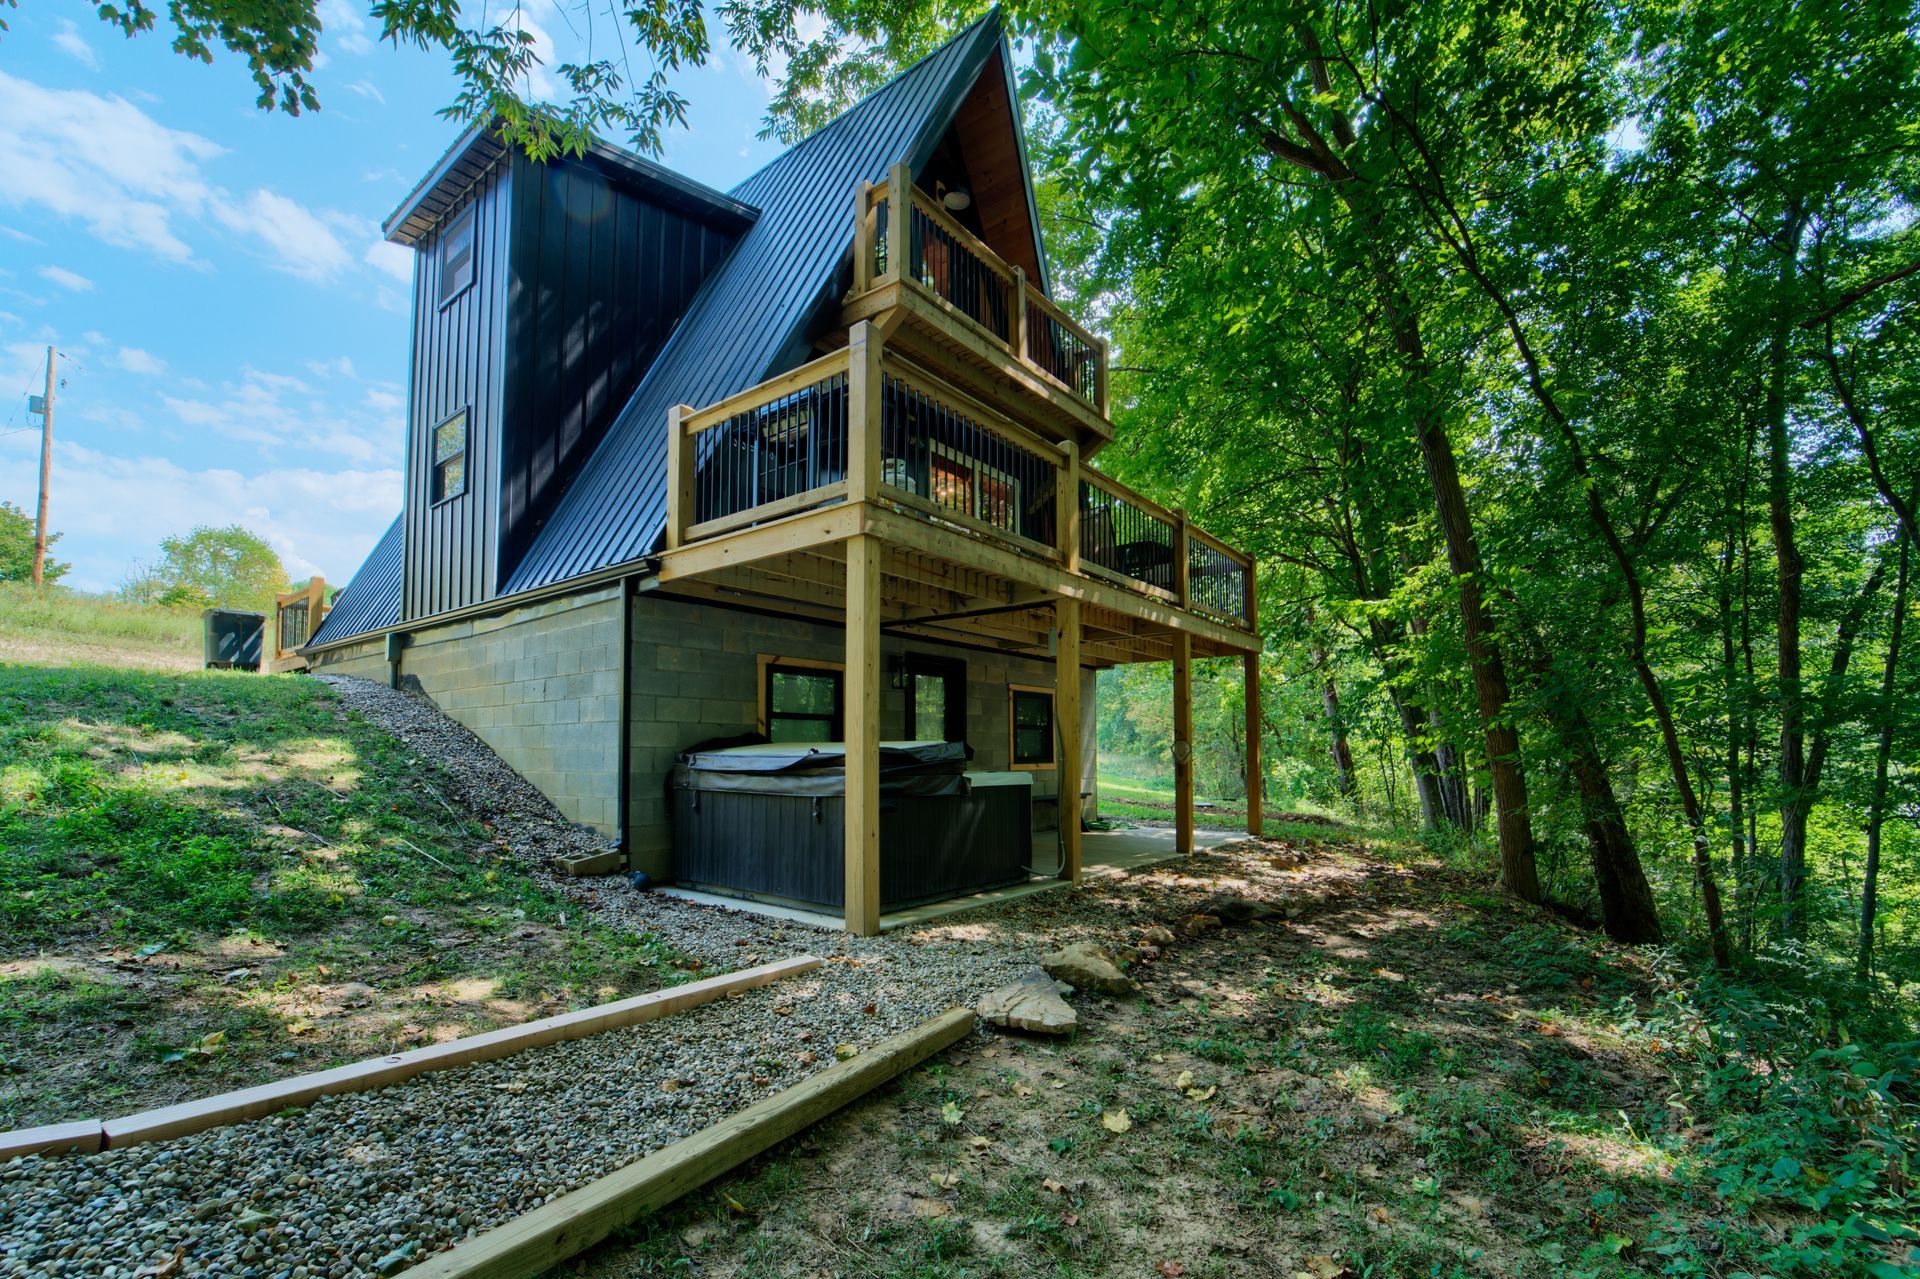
(1054, 1187)
(734, 1206)
(978, 1142)
(1320, 1266)
(1202, 1094)
(1115, 1120)
(945, 1180)
(950, 1114)
(1379, 1215)
(1171, 1269)
(846, 1052)
(1021, 1088)
(1185, 1081)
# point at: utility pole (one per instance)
(46, 473)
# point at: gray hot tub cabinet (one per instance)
(769, 821)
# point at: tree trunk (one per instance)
(1877, 805)
(1342, 750)
(1789, 568)
(1626, 900)
(1314, 154)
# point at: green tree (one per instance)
(16, 548)
(225, 567)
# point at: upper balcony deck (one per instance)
(977, 319)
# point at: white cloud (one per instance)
(114, 509)
(280, 413)
(392, 259)
(66, 279)
(348, 28)
(70, 42)
(135, 183)
(104, 162)
(340, 366)
(134, 360)
(368, 89)
(298, 240)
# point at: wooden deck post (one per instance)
(1066, 715)
(862, 710)
(1066, 509)
(1256, 774)
(1017, 330)
(680, 459)
(1183, 741)
(864, 219)
(1182, 556)
(864, 380)
(899, 222)
(1100, 401)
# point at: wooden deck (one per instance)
(929, 477)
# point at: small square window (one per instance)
(1032, 728)
(450, 457)
(456, 256)
(803, 704)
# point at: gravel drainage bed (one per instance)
(368, 1183)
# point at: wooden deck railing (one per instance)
(949, 262)
(862, 424)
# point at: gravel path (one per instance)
(368, 1183)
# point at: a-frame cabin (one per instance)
(800, 475)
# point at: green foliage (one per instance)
(1801, 1116)
(16, 548)
(224, 567)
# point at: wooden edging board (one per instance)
(375, 1072)
(581, 1218)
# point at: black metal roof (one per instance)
(751, 318)
(371, 601)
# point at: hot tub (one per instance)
(769, 821)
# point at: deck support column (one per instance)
(862, 711)
(1183, 742)
(1256, 775)
(1066, 715)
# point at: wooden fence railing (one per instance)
(296, 616)
(862, 424)
(947, 261)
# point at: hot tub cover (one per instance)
(819, 768)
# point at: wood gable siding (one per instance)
(601, 274)
(450, 557)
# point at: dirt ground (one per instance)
(1406, 1075)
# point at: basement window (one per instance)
(456, 256)
(802, 703)
(1031, 727)
(450, 457)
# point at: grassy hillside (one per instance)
(61, 627)
(211, 879)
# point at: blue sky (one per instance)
(235, 330)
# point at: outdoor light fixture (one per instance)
(952, 199)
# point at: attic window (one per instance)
(456, 256)
(450, 457)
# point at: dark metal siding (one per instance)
(450, 547)
(754, 316)
(601, 273)
(371, 601)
